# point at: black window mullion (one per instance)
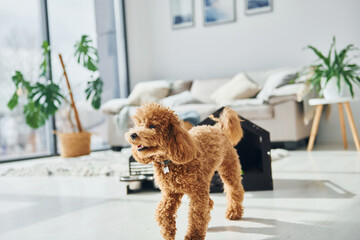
(46, 37)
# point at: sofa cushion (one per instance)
(202, 89)
(248, 101)
(151, 91)
(179, 86)
(274, 81)
(114, 106)
(281, 99)
(250, 112)
(263, 111)
(260, 77)
(239, 87)
(300, 90)
(179, 99)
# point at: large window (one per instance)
(21, 36)
(20, 42)
(68, 21)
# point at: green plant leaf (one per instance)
(320, 55)
(358, 79)
(86, 54)
(354, 79)
(45, 51)
(316, 77)
(48, 97)
(94, 91)
(34, 117)
(338, 82)
(331, 49)
(343, 52)
(91, 65)
(353, 67)
(13, 102)
(20, 82)
(349, 85)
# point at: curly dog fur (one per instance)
(194, 157)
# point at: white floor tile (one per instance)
(316, 196)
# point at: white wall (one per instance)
(256, 42)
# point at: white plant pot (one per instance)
(331, 90)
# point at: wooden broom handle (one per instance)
(71, 97)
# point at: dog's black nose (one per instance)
(133, 136)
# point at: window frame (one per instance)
(52, 122)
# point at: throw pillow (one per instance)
(275, 80)
(288, 79)
(179, 99)
(151, 91)
(179, 86)
(202, 89)
(239, 87)
(297, 89)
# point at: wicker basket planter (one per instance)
(74, 144)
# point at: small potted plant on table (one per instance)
(333, 72)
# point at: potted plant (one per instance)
(334, 71)
(44, 97)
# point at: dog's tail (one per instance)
(229, 122)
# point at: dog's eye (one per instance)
(151, 126)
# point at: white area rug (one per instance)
(97, 164)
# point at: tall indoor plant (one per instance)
(44, 97)
(334, 71)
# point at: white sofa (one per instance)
(282, 114)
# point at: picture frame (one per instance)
(258, 6)
(182, 13)
(219, 11)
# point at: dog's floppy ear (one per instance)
(182, 148)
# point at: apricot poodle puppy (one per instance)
(185, 162)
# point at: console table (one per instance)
(319, 103)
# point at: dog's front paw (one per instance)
(234, 213)
(194, 237)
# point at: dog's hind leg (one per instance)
(230, 173)
(199, 215)
(166, 214)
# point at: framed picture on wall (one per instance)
(257, 6)
(219, 11)
(182, 13)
